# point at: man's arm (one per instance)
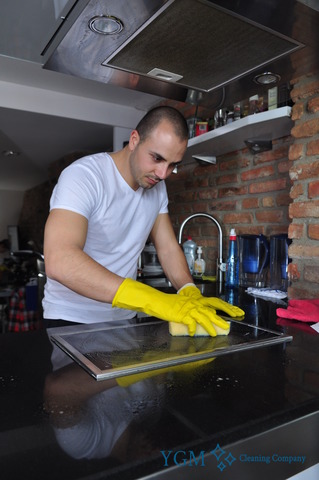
(66, 262)
(64, 240)
(170, 253)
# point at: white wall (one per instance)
(10, 208)
(120, 135)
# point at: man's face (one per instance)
(155, 158)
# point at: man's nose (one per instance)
(162, 171)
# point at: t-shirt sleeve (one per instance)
(76, 190)
(163, 198)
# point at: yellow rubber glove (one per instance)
(128, 380)
(191, 291)
(178, 308)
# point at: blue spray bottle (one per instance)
(232, 261)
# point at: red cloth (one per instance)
(20, 318)
(303, 310)
(301, 326)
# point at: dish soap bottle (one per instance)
(189, 248)
(232, 261)
(200, 264)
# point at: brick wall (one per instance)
(245, 191)
(272, 192)
(304, 173)
(36, 203)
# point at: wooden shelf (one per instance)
(267, 125)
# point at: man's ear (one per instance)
(134, 140)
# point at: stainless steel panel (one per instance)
(217, 46)
(114, 351)
(197, 41)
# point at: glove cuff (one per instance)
(186, 285)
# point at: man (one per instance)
(103, 210)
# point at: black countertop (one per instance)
(243, 415)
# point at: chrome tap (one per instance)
(221, 266)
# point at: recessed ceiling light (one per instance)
(267, 78)
(106, 24)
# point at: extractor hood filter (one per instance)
(207, 46)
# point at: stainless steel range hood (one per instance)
(171, 48)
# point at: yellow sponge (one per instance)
(181, 330)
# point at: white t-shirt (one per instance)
(119, 223)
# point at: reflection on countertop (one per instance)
(62, 423)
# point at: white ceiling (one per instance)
(45, 115)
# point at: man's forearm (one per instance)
(176, 268)
(79, 272)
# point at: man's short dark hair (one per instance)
(152, 119)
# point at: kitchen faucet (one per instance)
(221, 266)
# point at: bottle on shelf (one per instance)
(232, 261)
(189, 248)
(253, 104)
(219, 118)
(237, 111)
(200, 264)
(272, 98)
(244, 107)
(229, 116)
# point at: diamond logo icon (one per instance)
(230, 459)
(221, 466)
(218, 452)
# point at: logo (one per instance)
(223, 458)
(219, 453)
(189, 458)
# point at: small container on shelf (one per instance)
(272, 98)
(201, 127)
(253, 104)
(244, 107)
(229, 116)
(237, 111)
(191, 122)
(219, 118)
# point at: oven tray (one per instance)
(110, 351)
